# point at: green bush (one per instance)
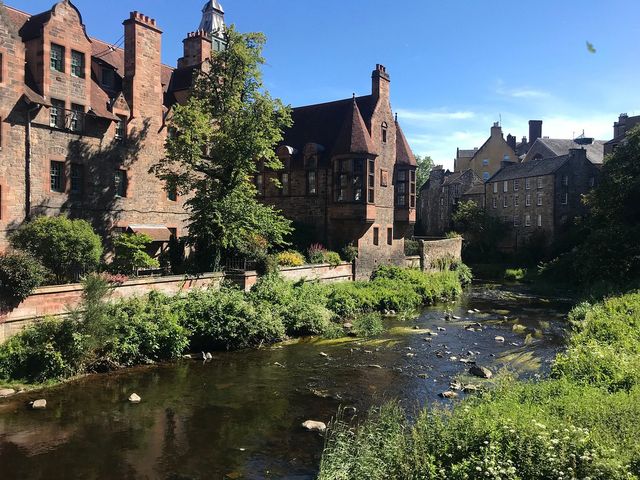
(290, 258)
(367, 325)
(515, 274)
(67, 248)
(412, 247)
(318, 254)
(349, 253)
(130, 254)
(332, 258)
(20, 275)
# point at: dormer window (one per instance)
(108, 78)
(77, 64)
(385, 127)
(57, 58)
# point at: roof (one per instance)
(477, 189)
(466, 153)
(533, 168)
(354, 136)
(404, 155)
(559, 147)
(323, 122)
(452, 177)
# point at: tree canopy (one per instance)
(425, 165)
(229, 126)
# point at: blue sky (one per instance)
(456, 65)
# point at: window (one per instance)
(311, 183)
(516, 201)
(76, 123)
(57, 58)
(539, 200)
(371, 185)
(485, 176)
(121, 128)
(384, 132)
(505, 187)
(592, 182)
(565, 198)
(120, 183)
(504, 202)
(389, 236)
(376, 236)
(565, 180)
(77, 178)
(527, 184)
(77, 64)
(442, 201)
(495, 202)
(401, 189)
(412, 188)
(56, 174)
(539, 220)
(456, 189)
(108, 78)
(506, 158)
(172, 193)
(516, 221)
(516, 185)
(539, 182)
(527, 220)
(284, 184)
(495, 187)
(527, 200)
(485, 162)
(384, 178)
(56, 114)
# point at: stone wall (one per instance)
(434, 250)
(59, 299)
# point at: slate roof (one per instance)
(453, 177)
(477, 189)
(559, 147)
(354, 136)
(323, 122)
(533, 168)
(466, 153)
(404, 155)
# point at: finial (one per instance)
(396, 117)
(354, 96)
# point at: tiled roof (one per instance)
(595, 151)
(404, 155)
(466, 153)
(452, 178)
(322, 123)
(354, 136)
(533, 168)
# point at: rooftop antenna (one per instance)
(500, 117)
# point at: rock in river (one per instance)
(39, 404)
(6, 392)
(499, 339)
(314, 426)
(449, 394)
(482, 372)
(135, 398)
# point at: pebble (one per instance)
(323, 354)
(449, 394)
(314, 426)
(442, 329)
(6, 392)
(39, 404)
(135, 398)
(499, 339)
(375, 366)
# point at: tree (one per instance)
(67, 248)
(425, 164)
(229, 125)
(130, 254)
(20, 274)
(481, 231)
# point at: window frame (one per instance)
(527, 220)
(539, 200)
(59, 185)
(57, 111)
(376, 236)
(121, 185)
(390, 236)
(539, 222)
(76, 182)
(78, 70)
(76, 119)
(564, 200)
(371, 181)
(121, 128)
(56, 64)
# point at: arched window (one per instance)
(385, 127)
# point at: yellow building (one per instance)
(488, 159)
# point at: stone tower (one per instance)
(213, 19)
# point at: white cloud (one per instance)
(523, 93)
(430, 116)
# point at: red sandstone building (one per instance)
(82, 122)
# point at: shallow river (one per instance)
(240, 415)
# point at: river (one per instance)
(239, 416)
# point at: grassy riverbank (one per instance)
(103, 336)
(582, 422)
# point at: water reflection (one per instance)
(239, 415)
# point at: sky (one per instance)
(456, 66)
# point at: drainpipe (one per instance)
(27, 166)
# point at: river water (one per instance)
(239, 416)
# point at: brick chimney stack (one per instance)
(511, 141)
(496, 130)
(535, 131)
(381, 81)
(197, 49)
(142, 67)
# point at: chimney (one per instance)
(436, 177)
(380, 82)
(579, 153)
(511, 141)
(620, 127)
(142, 67)
(496, 130)
(535, 131)
(197, 49)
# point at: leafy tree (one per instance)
(229, 125)
(130, 254)
(20, 274)
(425, 164)
(67, 248)
(481, 231)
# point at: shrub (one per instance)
(515, 274)
(67, 248)
(452, 235)
(349, 253)
(130, 254)
(465, 274)
(20, 275)
(412, 248)
(315, 254)
(332, 258)
(367, 325)
(290, 258)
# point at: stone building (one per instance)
(440, 195)
(620, 129)
(349, 176)
(486, 160)
(540, 198)
(559, 147)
